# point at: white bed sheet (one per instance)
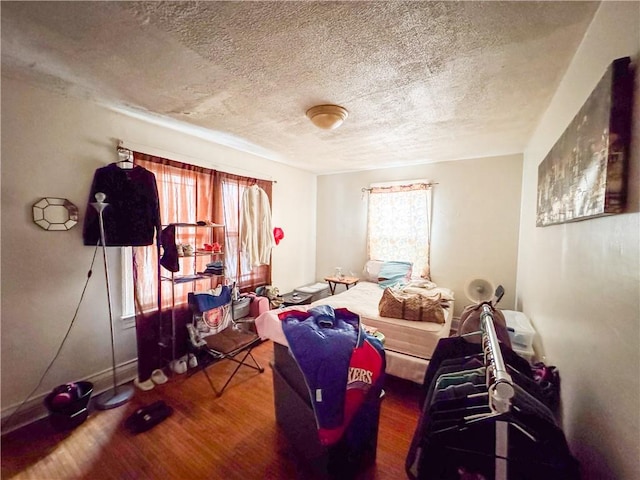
(269, 326)
(408, 344)
(404, 336)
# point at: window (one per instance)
(187, 194)
(231, 190)
(235, 262)
(128, 305)
(399, 224)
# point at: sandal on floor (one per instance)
(145, 386)
(159, 377)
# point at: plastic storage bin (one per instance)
(70, 414)
(241, 307)
(521, 333)
(317, 290)
(527, 354)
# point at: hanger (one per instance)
(126, 158)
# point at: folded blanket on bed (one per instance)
(342, 365)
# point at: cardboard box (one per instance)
(294, 414)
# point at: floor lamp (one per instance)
(117, 396)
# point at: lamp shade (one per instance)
(327, 117)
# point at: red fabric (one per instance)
(278, 234)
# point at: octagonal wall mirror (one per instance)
(52, 213)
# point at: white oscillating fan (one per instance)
(479, 290)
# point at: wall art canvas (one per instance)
(584, 174)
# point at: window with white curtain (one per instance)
(399, 224)
(236, 262)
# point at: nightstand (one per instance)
(296, 298)
(346, 281)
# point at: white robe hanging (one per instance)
(256, 232)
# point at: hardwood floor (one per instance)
(207, 437)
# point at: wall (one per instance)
(51, 146)
(579, 282)
(474, 229)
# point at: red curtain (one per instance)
(187, 194)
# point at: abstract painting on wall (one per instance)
(585, 173)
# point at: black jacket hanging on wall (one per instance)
(133, 214)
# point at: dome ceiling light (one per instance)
(327, 117)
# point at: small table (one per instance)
(346, 281)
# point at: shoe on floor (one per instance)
(159, 377)
(178, 366)
(193, 361)
(145, 386)
(147, 417)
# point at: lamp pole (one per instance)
(115, 397)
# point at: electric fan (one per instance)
(479, 290)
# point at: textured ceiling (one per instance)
(422, 81)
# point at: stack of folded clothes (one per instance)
(214, 268)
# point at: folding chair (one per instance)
(214, 335)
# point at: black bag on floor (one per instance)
(146, 418)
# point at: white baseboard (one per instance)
(33, 409)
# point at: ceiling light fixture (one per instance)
(327, 117)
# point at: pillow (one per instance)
(371, 270)
(392, 273)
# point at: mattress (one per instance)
(418, 339)
(408, 345)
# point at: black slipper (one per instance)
(146, 418)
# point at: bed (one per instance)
(408, 344)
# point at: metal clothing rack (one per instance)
(501, 389)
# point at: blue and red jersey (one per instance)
(340, 362)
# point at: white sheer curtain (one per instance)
(399, 225)
(230, 188)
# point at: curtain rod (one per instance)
(131, 146)
(389, 187)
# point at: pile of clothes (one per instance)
(214, 268)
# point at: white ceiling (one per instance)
(422, 81)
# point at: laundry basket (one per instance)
(68, 405)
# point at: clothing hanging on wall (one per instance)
(256, 231)
(132, 216)
(484, 417)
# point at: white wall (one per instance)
(579, 282)
(475, 221)
(51, 146)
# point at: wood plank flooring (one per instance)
(234, 436)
